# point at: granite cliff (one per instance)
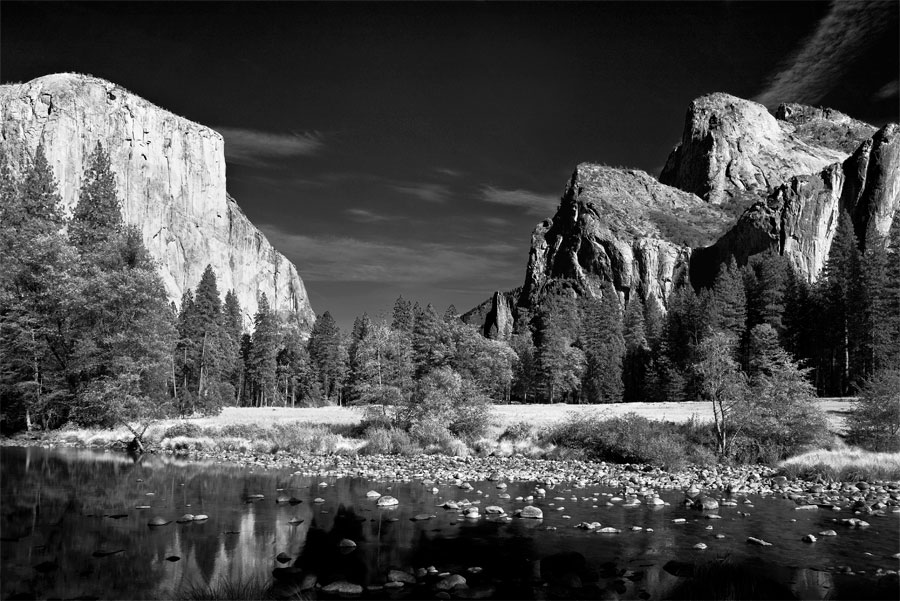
(794, 171)
(171, 178)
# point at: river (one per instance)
(75, 525)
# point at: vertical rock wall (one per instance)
(171, 178)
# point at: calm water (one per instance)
(71, 529)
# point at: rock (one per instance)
(318, 500)
(282, 499)
(451, 582)
(530, 512)
(494, 510)
(705, 503)
(372, 494)
(401, 576)
(809, 538)
(655, 501)
(157, 522)
(758, 541)
(608, 530)
(173, 558)
(346, 543)
(420, 517)
(295, 520)
(806, 508)
(282, 557)
(731, 145)
(387, 501)
(700, 546)
(828, 533)
(679, 521)
(342, 587)
(255, 497)
(170, 176)
(200, 517)
(188, 517)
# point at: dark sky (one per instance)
(411, 148)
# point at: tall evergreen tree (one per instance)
(730, 296)
(327, 356)
(840, 292)
(432, 342)
(636, 363)
(263, 355)
(98, 213)
(604, 348)
(403, 316)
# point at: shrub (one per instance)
(445, 397)
(627, 439)
(518, 431)
(874, 423)
(378, 442)
(182, 429)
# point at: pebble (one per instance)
(700, 547)
(387, 501)
(828, 533)
(809, 538)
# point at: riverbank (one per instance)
(335, 442)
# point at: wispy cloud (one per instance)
(842, 36)
(345, 259)
(448, 172)
(534, 203)
(424, 191)
(255, 147)
(888, 91)
(365, 216)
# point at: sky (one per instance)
(397, 148)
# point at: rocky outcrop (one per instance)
(620, 226)
(496, 316)
(825, 127)
(799, 219)
(731, 145)
(170, 174)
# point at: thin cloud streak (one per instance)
(841, 37)
(888, 91)
(254, 147)
(345, 259)
(424, 191)
(365, 216)
(534, 203)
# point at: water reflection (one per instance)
(60, 508)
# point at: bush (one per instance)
(443, 396)
(518, 431)
(182, 429)
(378, 442)
(627, 439)
(874, 423)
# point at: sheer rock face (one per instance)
(496, 316)
(170, 174)
(825, 127)
(620, 226)
(800, 217)
(730, 145)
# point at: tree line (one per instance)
(87, 334)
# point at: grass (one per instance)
(846, 465)
(253, 589)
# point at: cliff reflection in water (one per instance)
(66, 515)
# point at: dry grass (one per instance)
(846, 464)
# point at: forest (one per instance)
(87, 335)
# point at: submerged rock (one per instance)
(387, 501)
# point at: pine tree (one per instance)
(263, 355)
(730, 296)
(403, 316)
(431, 341)
(327, 355)
(878, 315)
(41, 203)
(233, 324)
(637, 353)
(604, 348)
(98, 214)
(840, 291)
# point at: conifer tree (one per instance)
(233, 324)
(840, 292)
(41, 203)
(637, 353)
(98, 214)
(432, 342)
(604, 348)
(327, 355)
(403, 318)
(730, 296)
(262, 360)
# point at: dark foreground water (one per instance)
(71, 528)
